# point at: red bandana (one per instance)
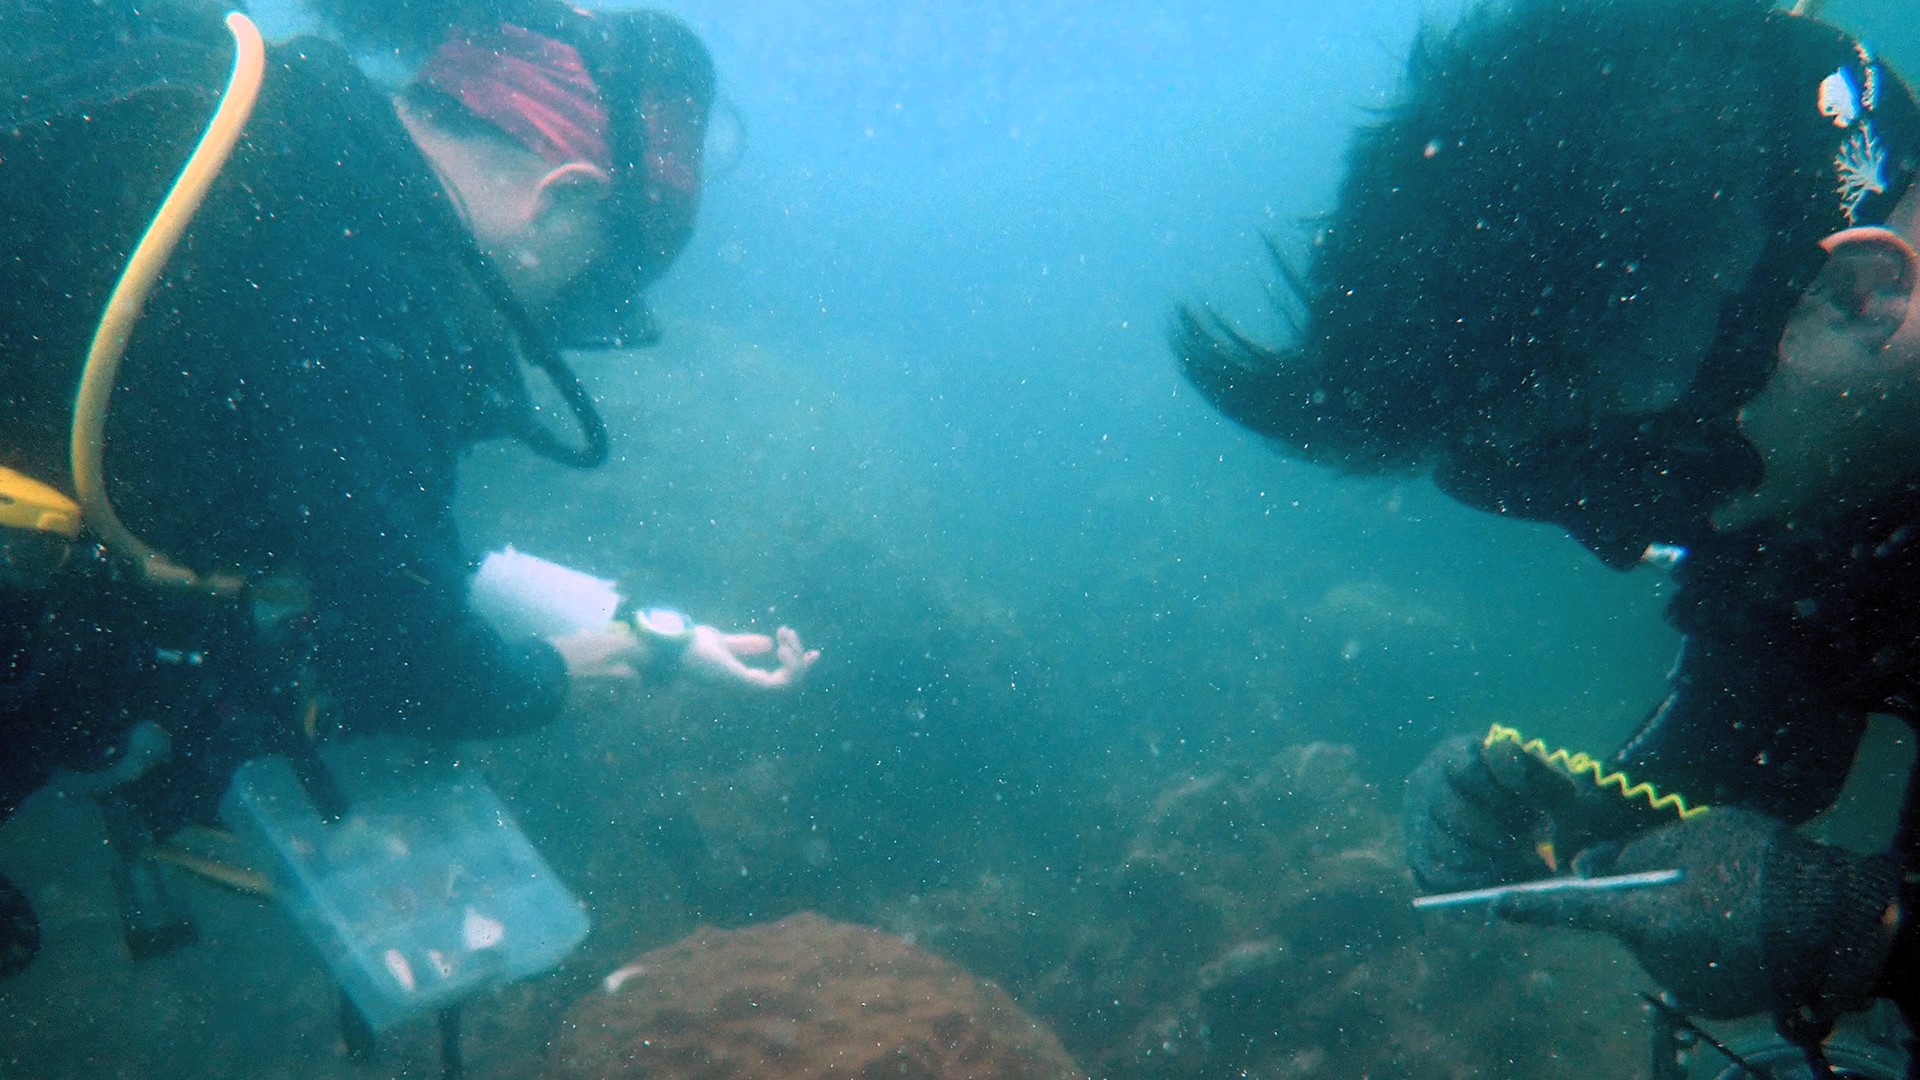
(534, 88)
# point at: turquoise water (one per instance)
(1113, 699)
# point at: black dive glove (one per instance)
(1478, 815)
(1764, 920)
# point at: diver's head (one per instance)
(660, 83)
(517, 132)
(573, 141)
(1565, 259)
(1833, 424)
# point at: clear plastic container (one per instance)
(424, 893)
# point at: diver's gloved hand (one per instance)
(19, 930)
(1764, 920)
(1476, 815)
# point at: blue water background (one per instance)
(1008, 201)
(916, 398)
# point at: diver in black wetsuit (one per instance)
(349, 309)
(1646, 271)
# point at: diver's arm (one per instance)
(1735, 729)
(703, 651)
(369, 442)
(403, 652)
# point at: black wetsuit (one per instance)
(293, 400)
(1793, 639)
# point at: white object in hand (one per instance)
(523, 595)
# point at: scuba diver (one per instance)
(260, 545)
(1646, 271)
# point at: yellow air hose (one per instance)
(129, 297)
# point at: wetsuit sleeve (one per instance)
(369, 435)
(401, 649)
(1736, 731)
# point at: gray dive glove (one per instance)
(1764, 920)
(1478, 815)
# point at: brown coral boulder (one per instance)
(805, 998)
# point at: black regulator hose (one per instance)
(538, 348)
(592, 453)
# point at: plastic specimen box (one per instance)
(424, 892)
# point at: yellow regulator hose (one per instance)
(129, 297)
